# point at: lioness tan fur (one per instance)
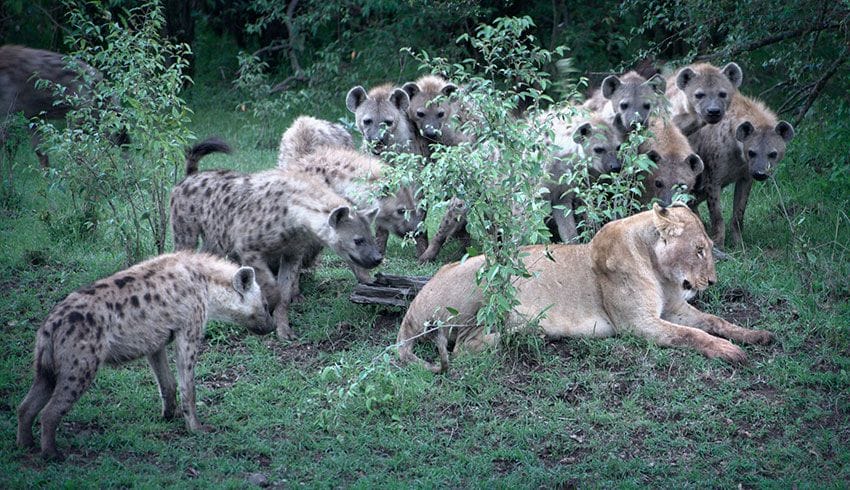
(635, 276)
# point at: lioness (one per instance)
(636, 276)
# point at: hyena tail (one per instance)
(209, 145)
(45, 365)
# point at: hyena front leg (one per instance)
(454, 219)
(265, 278)
(187, 350)
(165, 380)
(287, 286)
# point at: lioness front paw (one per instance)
(761, 337)
(726, 351)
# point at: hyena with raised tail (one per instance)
(136, 313)
(276, 219)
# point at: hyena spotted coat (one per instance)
(631, 96)
(357, 177)
(136, 313)
(747, 145)
(700, 94)
(380, 116)
(277, 217)
(308, 134)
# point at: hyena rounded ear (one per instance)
(685, 76)
(785, 130)
(695, 163)
(734, 74)
(411, 88)
(609, 85)
(370, 214)
(400, 99)
(338, 216)
(582, 132)
(244, 279)
(355, 97)
(658, 84)
(744, 131)
(654, 156)
(449, 89)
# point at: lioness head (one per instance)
(683, 250)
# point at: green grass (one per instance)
(334, 410)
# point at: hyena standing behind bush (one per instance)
(135, 313)
(277, 217)
(20, 68)
(380, 116)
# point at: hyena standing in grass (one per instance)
(315, 147)
(700, 94)
(747, 145)
(430, 113)
(275, 217)
(134, 313)
(20, 68)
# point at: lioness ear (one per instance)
(355, 97)
(610, 85)
(243, 280)
(665, 224)
(400, 99)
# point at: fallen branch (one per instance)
(389, 290)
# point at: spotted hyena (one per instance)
(134, 313)
(20, 68)
(276, 219)
(356, 176)
(380, 116)
(746, 146)
(677, 167)
(307, 134)
(699, 94)
(630, 95)
(591, 139)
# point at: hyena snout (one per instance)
(713, 113)
(261, 323)
(369, 259)
(612, 164)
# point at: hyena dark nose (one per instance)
(760, 176)
(713, 111)
(711, 282)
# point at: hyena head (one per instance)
(710, 89)
(430, 107)
(243, 303)
(600, 142)
(633, 97)
(399, 213)
(673, 174)
(352, 236)
(380, 115)
(763, 147)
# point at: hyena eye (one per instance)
(752, 154)
(772, 155)
(400, 211)
(647, 106)
(388, 123)
(420, 114)
(699, 95)
(722, 95)
(624, 105)
(599, 150)
(441, 115)
(359, 241)
(659, 184)
(367, 122)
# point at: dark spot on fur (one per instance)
(147, 297)
(99, 333)
(109, 306)
(90, 318)
(134, 300)
(75, 316)
(123, 281)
